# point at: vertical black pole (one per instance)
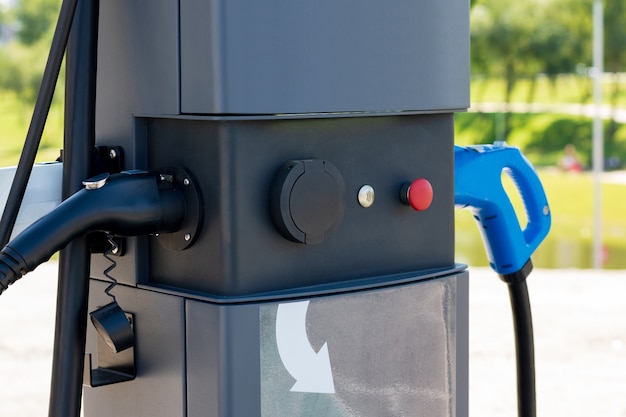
(74, 265)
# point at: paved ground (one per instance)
(580, 333)
(27, 310)
(580, 337)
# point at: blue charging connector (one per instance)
(478, 187)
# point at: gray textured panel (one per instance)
(223, 360)
(204, 346)
(283, 56)
(393, 352)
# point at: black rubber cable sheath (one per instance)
(38, 121)
(128, 205)
(524, 348)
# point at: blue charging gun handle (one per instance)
(478, 187)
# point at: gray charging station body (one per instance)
(295, 298)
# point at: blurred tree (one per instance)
(502, 39)
(513, 39)
(4, 19)
(24, 50)
(10, 74)
(614, 56)
(614, 35)
(35, 18)
(21, 68)
(562, 37)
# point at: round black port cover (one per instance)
(307, 200)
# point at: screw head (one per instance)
(186, 181)
(112, 154)
(366, 196)
(187, 237)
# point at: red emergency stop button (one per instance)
(418, 194)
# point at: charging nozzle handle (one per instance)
(125, 204)
(478, 186)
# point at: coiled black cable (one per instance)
(38, 120)
(108, 255)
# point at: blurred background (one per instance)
(532, 85)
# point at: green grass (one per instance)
(542, 137)
(14, 121)
(567, 88)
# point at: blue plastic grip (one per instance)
(478, 186)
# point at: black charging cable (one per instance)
(38, 121)
(125, 204)
(524, 341)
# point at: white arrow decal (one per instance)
(311, 370)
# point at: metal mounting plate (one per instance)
(186, 236)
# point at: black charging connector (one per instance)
(125, 204)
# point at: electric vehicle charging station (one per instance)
(282, 112)
(293, 254)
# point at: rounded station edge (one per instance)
(343, 287)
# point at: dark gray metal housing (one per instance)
(278, 56)
(230, 91)
(240, 252)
